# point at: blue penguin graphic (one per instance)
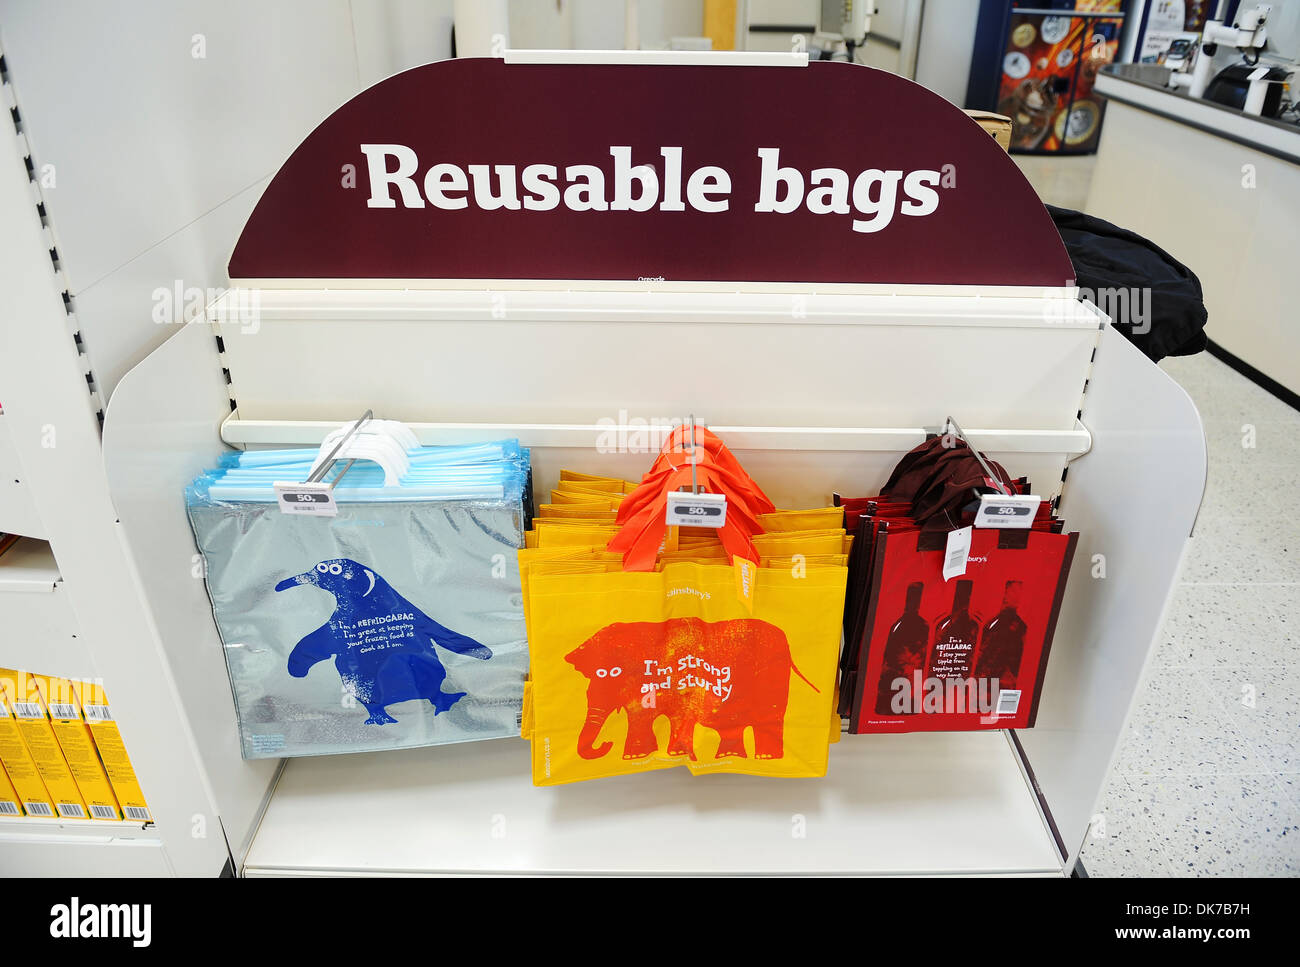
(382, 644)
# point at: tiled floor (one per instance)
(1207, 782)
(1061, 181)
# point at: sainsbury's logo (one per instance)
(702, 595)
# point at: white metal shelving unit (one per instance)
(17, 509)
(38, 627)
(884, 795)
(50, 847)
(70, 604)
(844, 386)
(28, 566)
(126, 220)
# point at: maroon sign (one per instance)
(475, 169)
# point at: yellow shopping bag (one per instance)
(586, 483)
(605, 502)
(594, 513)
(558, 532)
(635, 671)
(801, 520)
(785, 544)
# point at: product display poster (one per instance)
(1167, 21)
(394, 624)
(1048, 71)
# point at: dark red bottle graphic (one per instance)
(904, 652)
(1003, 643)
(953, 652)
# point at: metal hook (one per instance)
(988, 472)
(695, 486)
(319, 473)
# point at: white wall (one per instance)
(888, 21)
(158, 154)
(947, 41)
(1284, 30)
(947, 37)
(598, 24)
(395, 35)
(542, 24)
(792, 13)
(659, 21)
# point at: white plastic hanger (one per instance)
(381, 441)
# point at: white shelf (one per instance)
(53, 847)
(925, 803)
(92, 829)
(60, 853)
(28, 567)
(38, 632)
(17, 511)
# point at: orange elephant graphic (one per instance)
(724, 675)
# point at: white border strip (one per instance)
(680, 58)
(586, 435)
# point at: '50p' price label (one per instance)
(696, 510)
(1002, 511)
(306, 498)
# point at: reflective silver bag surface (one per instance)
(395, 624)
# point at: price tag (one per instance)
(957, 553)
(1003, 511)
(315, 499)
(696, 510)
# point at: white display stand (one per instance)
(71, 604)
(884, 794)
(817, 387)
(921, 804)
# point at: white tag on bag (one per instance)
(954, 558)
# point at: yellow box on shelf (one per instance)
(9, 804)
(38, 735)
(78, 747)
(18, 762)
(112, 750)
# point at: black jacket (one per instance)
(1108, 259)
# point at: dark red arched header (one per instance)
(476, 169)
